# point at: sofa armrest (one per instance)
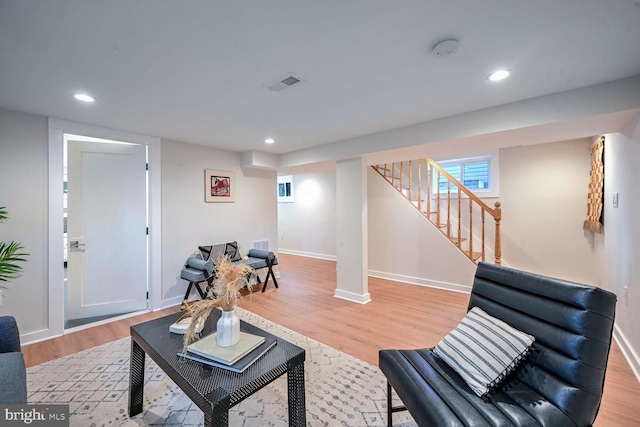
(13, 377)
(196, 262)
(9, 334)
(266, 255)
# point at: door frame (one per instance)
(57, 127)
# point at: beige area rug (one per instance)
(340, 389)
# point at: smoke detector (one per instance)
(283, 82)
(445, 48)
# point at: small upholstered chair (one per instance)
(13, 374)
(200, 267)
(559, 383)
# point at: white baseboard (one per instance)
(353, 297)
(307, 254)
(627, 351)
(37, 336)
(421, 282)
(171, 302)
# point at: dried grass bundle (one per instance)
(230, 280)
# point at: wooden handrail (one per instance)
(433, 173)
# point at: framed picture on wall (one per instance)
(219, 186)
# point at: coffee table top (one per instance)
(211, 383)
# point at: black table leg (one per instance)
(297, 408)
(136, 379)
(216, 414)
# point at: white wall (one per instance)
(307, 226)
(24, 192)
(187, 221)
(619, 245)
(543, 191)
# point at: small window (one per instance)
(474, 173)
(285, 188)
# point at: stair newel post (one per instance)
(411, 181)
(497, 215)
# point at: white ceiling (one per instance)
(195, 71)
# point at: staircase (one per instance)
(456, 212)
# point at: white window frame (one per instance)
(493, 159)
(285, 182)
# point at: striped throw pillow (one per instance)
(483, 350)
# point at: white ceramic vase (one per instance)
(228, 329)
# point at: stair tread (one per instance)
(455, 239)
(475, 255)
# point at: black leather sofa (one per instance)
(560, 383)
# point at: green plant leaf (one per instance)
(9, 255)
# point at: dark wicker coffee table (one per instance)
(214, 390)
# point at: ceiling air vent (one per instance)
(283, 83)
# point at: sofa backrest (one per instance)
(214, 252)
(9, 335)
(572, 324)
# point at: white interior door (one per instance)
(107, 229)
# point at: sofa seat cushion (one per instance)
(484, 350)
(192, 275)
(255, 263)
(436, 395)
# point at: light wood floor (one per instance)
(399, 316)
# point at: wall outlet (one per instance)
(615, 200)
(625, 295)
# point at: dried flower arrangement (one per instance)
(230, 280)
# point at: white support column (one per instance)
(351, 231)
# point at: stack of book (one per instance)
(236, 358)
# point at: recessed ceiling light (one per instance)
(498, 75)
(83, 97)
(269, 140)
